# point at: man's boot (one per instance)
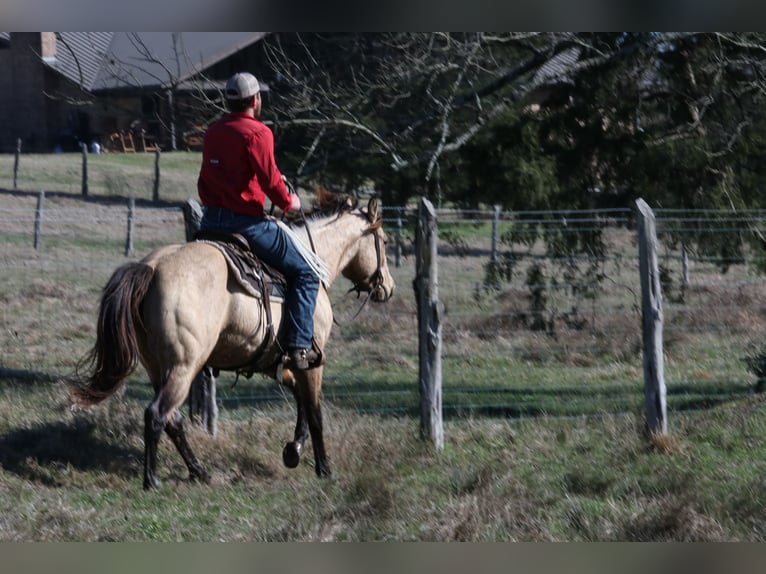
(303, 358)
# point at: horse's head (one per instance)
(368, 270)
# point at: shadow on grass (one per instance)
(44, 453)
(400, 398)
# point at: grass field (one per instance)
(109, 174)
(543, 431)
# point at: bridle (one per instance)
(375, 282)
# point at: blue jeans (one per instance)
(272, 246)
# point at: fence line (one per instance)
(508, 346)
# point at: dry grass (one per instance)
(579, 469)
(76, 476)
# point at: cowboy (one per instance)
(238, 172)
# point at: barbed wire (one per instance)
(613, 313)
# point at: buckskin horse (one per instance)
(180, 309)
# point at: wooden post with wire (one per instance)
(39, 221)
(131, 225)
(430, 311)
(156, 188)
(16, 164)
(495, 233)
(84, 148)
(651, 313)
(203, 407)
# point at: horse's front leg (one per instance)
(309, 384)
(293, 450)
(306, 387)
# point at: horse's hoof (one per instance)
(151, 483)
(200, 475)
(291, 454)
(323, 471)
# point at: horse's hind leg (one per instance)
(175, 430)
(153, 426)
(162, 414)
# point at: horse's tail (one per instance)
(115, 354)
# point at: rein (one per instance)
(376, 279)
(292, 191)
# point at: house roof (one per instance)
(112, 60)
(79, 56)
(557, 69)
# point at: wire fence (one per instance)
(542, 308)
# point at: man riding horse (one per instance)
(238, 172)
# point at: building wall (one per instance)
(6, 92)
(37, 104)
(46, 110)
(22, 101)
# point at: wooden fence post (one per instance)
(495, 225)
(156, 190)
(84, 147)
(398, 252)
(430, 312)
(203, 408)
(16, 164)
(131, 224)
(192, 211)
(651, 307)
(39, 220)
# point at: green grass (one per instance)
(109, 174)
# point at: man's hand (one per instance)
(295, 202)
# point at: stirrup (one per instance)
(305, 358)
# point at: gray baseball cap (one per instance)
(241, 86)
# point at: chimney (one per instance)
(48, 45)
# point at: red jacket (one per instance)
(238, 167)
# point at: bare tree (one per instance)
(408, 98)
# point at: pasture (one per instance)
(543, 428)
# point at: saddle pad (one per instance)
(249, 272)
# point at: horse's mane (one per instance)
(328, 203)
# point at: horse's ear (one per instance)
(373, 210)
